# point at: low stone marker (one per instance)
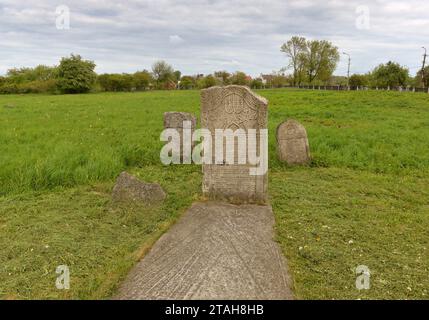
(233, 107)
(174, 120)
(130, 189)
(292, 143)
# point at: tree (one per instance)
(45, 73)
(391, 74)
(316, 59)
(142, 80)
(104, 82)
(187, 82)
(177, 76)
(358, 80)
(321, 59)
(241, 79)
(224, 76)
(337, 81)
(162, 73)
(117, 82)
(126, 82)
(295, 51)
(257, 84)
(279, 80)
(39, 73)
(206, 82)
(76, 75)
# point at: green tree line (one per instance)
(314, 62)
(310, 62)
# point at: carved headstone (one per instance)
(234, 107)
(292, 143)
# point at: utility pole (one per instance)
(348, 71)
(423, 67)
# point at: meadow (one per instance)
(364, 200)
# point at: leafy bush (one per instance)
(41, 79)
(206, 82)
(142, 80)
(187, 82)
(38, 86)
(359, 80)
(9, 88)
(257, 84)
(116, 82)
(390, 74)
(76, 75)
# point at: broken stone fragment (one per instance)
(130, 189)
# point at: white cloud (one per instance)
(175, 39)
(219, 34)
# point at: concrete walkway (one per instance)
(215, 251)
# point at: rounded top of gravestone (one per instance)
(291, 129)
(232, 107)
(237, 89)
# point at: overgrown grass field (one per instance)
(363, 201)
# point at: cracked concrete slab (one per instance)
(215, 251)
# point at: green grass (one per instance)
(367, 184)
(80, 228)
(330, 220)
(49, 141)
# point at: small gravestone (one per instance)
(292, 143)
(130, 189)
(174, 120)
(180, 121)
(233, 107)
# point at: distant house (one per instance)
(267, 79)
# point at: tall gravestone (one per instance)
(233, 107)
(292, 143)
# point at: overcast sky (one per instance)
(201, 36)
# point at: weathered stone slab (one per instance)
(292, 143)
(215, 251)
(130, 189)
(233, 107)
(174, 120)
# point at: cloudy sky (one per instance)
(201, 36)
